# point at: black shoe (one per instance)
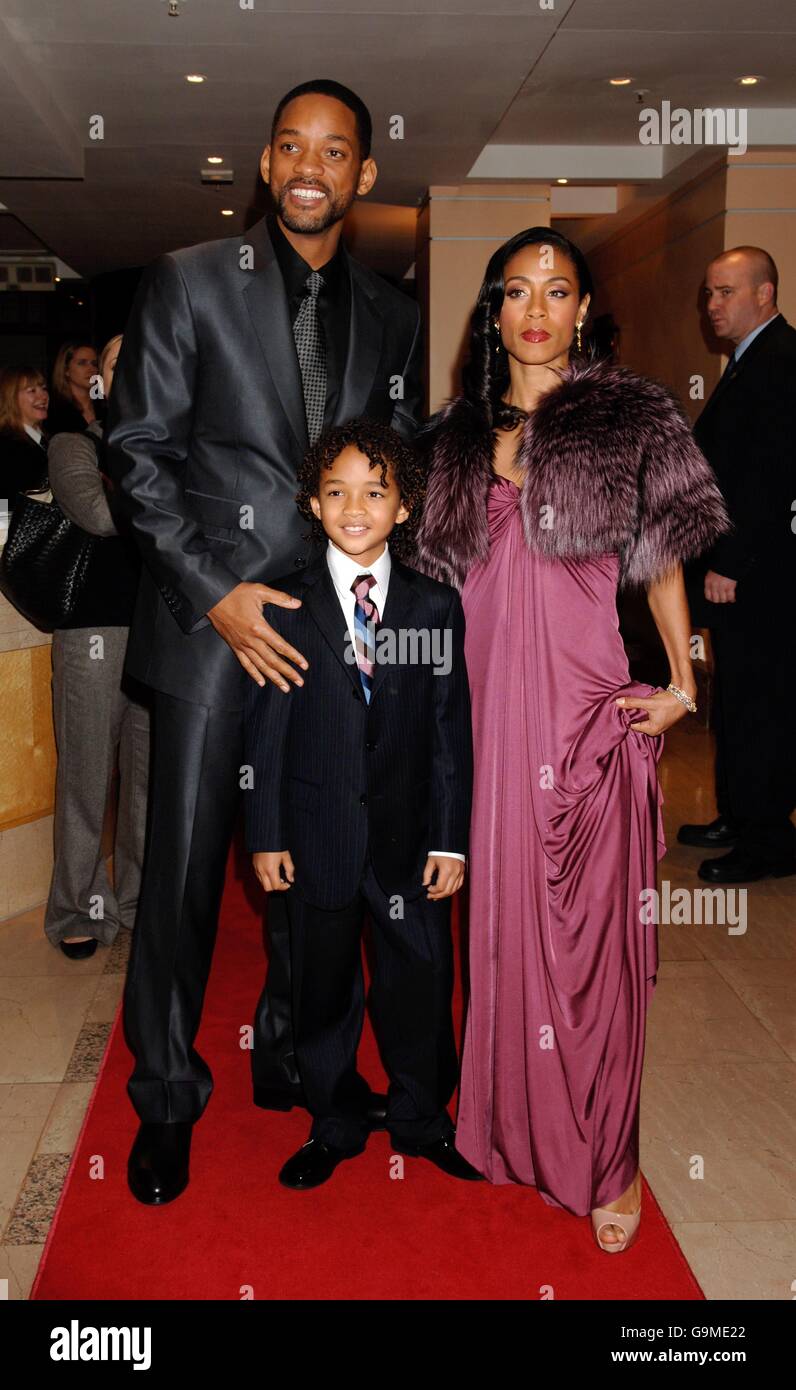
(279, 1097)
(377, 1111)
(719, 834)
(444, 1155)
(157, 1170)
(740, 867)
(313, 1164)
(79, 950)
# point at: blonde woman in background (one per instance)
(97, 715)
(72, 406)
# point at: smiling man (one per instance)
(238, 354)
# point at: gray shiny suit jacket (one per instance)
(206, 427)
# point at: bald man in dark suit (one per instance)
(743, 590)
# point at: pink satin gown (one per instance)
(566, 832)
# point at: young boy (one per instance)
(362, 780)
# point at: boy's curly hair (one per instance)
(383, 446)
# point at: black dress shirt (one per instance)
(334, 304)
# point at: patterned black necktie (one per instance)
(311, 350)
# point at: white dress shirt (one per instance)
(344, 571)
(36, 435)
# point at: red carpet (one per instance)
(364, 1235)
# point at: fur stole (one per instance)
(609, 465)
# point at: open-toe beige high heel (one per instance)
(602, 1217)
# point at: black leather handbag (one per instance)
(45, 562)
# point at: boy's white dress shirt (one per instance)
(344, 571)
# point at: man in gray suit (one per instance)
(238, 354)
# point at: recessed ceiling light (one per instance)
(227, 212)
(562, 180)
(215, 159)
(619, 81)
(194, 77)
(747, 81)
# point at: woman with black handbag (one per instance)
(96, 711)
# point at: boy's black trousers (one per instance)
(410, 1003)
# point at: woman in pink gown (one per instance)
(551, 483)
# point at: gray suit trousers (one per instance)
(94, 721)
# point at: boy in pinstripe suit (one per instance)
(360, 801)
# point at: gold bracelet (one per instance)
(683, 698)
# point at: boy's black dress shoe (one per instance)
(313, 1164)
(739, 867)
(719, 834)
(279, 1098)
(158, 1166)
(443, 1153)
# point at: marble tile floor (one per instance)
(718, 1119)
(55, 1020)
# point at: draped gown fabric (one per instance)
(565, 834)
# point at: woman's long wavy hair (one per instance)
(485, 374)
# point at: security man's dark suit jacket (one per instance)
(747, 432)
(206, 428)
(333, 776)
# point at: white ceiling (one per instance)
(518, 91)
(688, 52)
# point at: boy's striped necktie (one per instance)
(366, 617)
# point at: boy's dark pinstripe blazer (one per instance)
(334, 776)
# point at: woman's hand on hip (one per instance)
(664, 710)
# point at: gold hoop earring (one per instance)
(577, 330)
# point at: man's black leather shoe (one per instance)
(312, 1165)
(158, 1166)
(719, 834)
(442, 1153)
(737, 867)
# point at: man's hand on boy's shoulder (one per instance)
(450, 875)
(267, 866)
(261, 650)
